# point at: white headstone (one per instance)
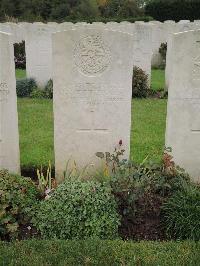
(92, 95)
(176, 29)
(66, 26)
(183, 123)
(9, 137)
(38, 45)
(142, 47)
(159, 35)
(13, 29)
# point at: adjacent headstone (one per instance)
(92, 95)
(66, 26)
(178, 27)
(183, 123)
(38, 45)
(15, 29)
(9, 137)
(143, 47)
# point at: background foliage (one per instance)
(59, 10)
(173, 9)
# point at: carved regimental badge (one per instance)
(92, 56)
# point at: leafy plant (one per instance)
(181, 213)
(25, 87)
(48, 90)
(140, 83)
(37, 93)
(78, 209)
(43, 93)
(140, 190)
(18, 196)
(45, 183)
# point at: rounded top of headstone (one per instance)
(183, 21)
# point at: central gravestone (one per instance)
(92, 72)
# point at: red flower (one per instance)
(120, 142)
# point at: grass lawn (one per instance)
(20, 73)
(36, 127)
(157, 79)
(96, 252)
(36, 130)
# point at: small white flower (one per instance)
(47, 197)
(47, 191)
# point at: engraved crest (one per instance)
(91, 55)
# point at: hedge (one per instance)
(173, 9)
(96, 252)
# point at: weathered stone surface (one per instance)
(92, 95)
(183, 124)
(142, 45)
(159, 36)
(9, 137)
(39, 52)
(14, 29)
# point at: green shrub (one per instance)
(140, 83)
(78, 210)
(18, 196)
(48, 90)
(25, 87)
(37, 93)
(181, 214)
(46, 93)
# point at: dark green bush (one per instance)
(123, 9)
(18, 196)
(46, 93)
(20, 55)
(173, 9)
(77, 210)
(140, 83)
(181, 214)
(25, 87)
(37, 93)
(48, 90)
